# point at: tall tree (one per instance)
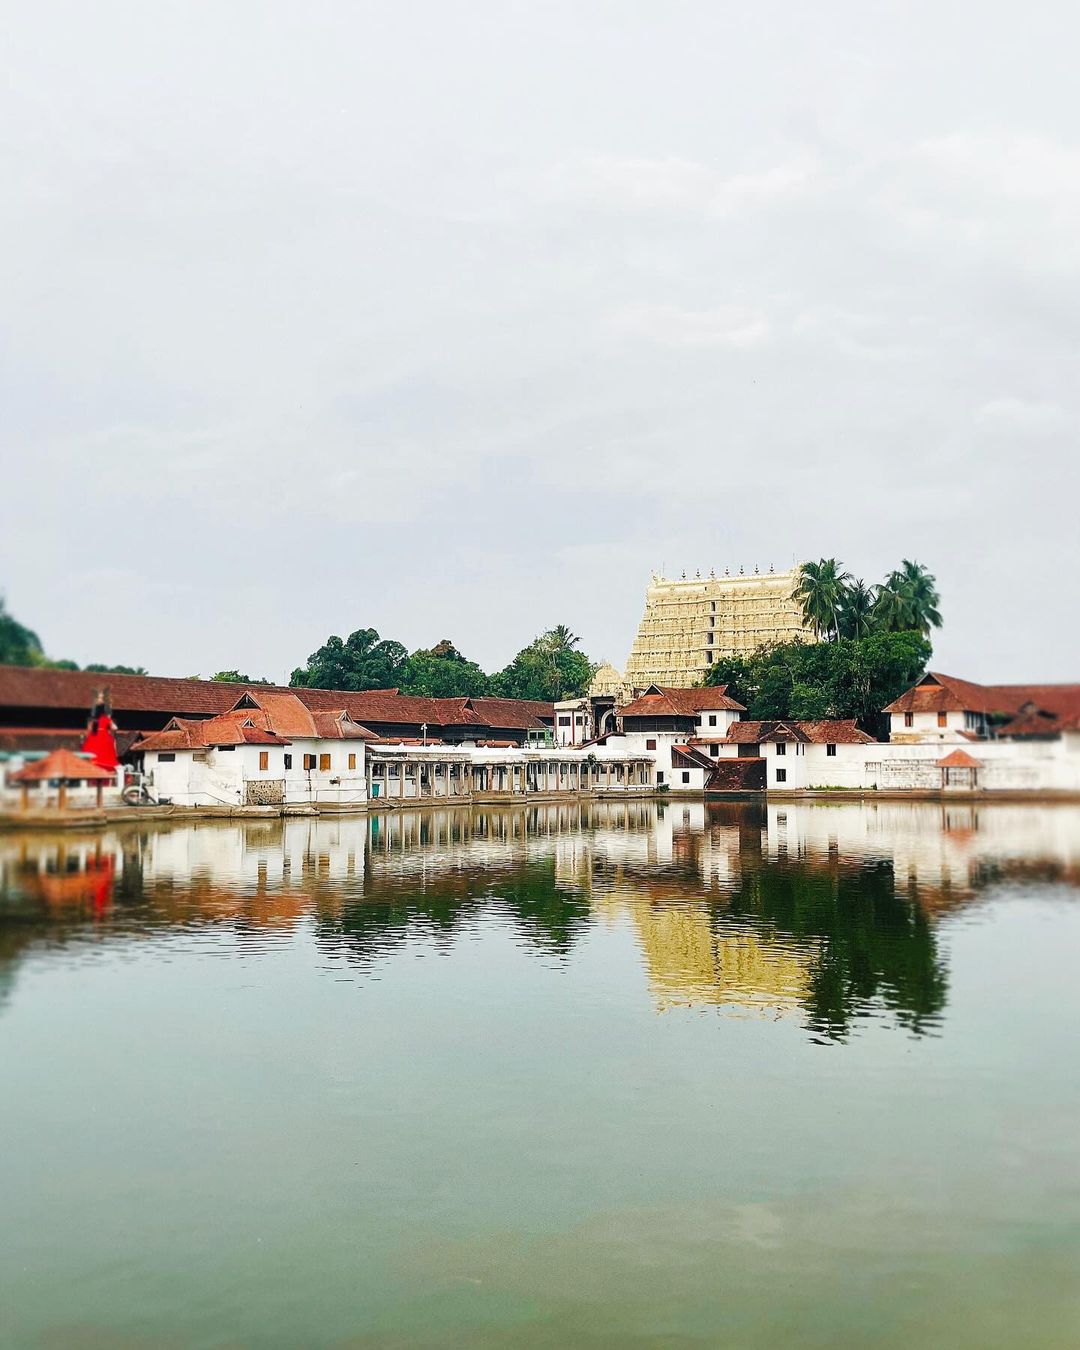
(851, 677)
(820, 592)
(920, 587)
(549, 668)
(442, 672)
(857, 610)
(19, 645)
(362, 661)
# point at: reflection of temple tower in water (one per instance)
(689, 963)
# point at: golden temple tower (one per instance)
(689, 623)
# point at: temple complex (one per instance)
(690, 622)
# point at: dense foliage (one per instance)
(848, 677)
(234, 677)
(835, 605)
(549, 667)
(19, 646)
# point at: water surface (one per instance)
(626, 1074)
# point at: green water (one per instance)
(626, 1075)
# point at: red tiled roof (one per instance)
(339, 726)
(29, 687)
(1039, 724)
(688, 757)
(63, 764)
(659, 701)
(195, 734)
(263, 718)
(824, 732)
(945, 693)
(959, 759)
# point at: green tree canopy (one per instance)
(362, 661)
(908, 599)
(550, 667)
(851, 677)
(19, 645)
(95, 668)
(835, 605)
(442, 672)
(234, 677)
(821, 590)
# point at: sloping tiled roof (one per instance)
(687, 757)
(27, 687)
(339, 726)
(197, 734)
(958, 759)
(64, 764)
(945, 693)
(1039, 724)
(825, 732)
(658, 701)
(22, 686)
(257, 719)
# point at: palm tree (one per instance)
(561, 638)
(921, 589)
(892, 606)
(820, 593)
(857, 610)
(908, 601)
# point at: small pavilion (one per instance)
(66, 769)
(959, 770)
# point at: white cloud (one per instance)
(671, 185)
(670, 326)
(1010, 414)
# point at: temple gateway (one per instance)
(690, 622)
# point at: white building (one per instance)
(268, 750)
(944, 709)
(489, 773)
(669, 725)
(573, 721)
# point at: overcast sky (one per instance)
(458, 319)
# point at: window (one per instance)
(264, 759)
(166, 757)
(781, 775)
(288, 761)
(564, 721)
(714, 750)
(378, 770)
(324, 763)
(712, 719)
(943, 719)
(660, 777)
(909, 719)
(781, 748)
(650, 744)
(352, 761)
(309, 763)
(686, 776)
(830, 750)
